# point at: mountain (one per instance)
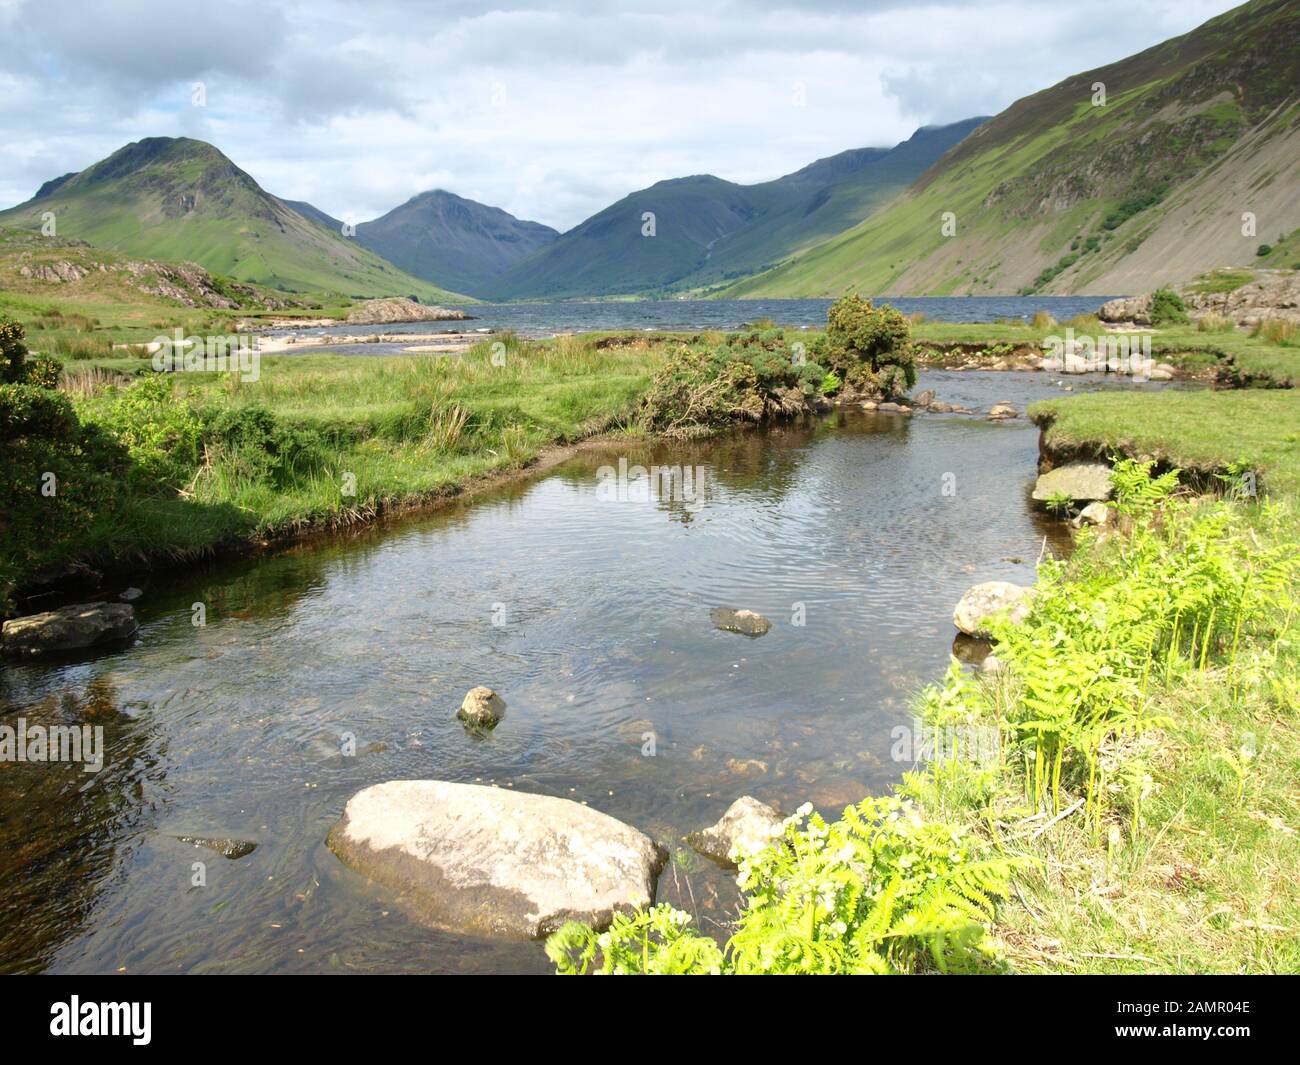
(452, 241)
(1059, 195)
(707, 230)
(179, 199)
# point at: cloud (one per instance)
(549, 111)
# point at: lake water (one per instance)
(235, 728)
(546, 319)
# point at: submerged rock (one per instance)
(1079, 481)
(745, 622)
(227, 848)
(489, 860)
(983, 601)
(747, 826)
(69, 628)
(482, 708)
(130, 595)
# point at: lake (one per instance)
(546, 319)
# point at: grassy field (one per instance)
(380, 433)
(1258, 429)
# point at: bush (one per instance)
(161, 432)
(880, 891)
(57, 475)
(1167, 308)
(868, 348)
(755, 376)
(250, 444)
(1264, 249)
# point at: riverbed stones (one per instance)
(494, 861)
(70, 628)
(482, 708)
(227, 847)
(747, 826)
(1001, 411)
(1078, 481)
(984, 601)
(923, 400)
(745, 622)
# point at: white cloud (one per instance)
(551, 114)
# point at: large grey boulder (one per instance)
(496, 861)
(69, 628)
(747, 826)
(1079, 481)
(983, 601)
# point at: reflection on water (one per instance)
(236, 728)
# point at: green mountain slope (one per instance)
(452, 241)
(182, 200)
(1058, 195)
(708, 229)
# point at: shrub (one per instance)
(252, 445)
(755, 376)
(1264, 249)
(57, 475)
(880, 891)
(869, 348)
(1167, 308)
(160, 432)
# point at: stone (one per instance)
(747, 826)
(991, 664)
(233, 849)
(1001, 411)
(1079, 481)
(893, 408)
(924, 399)
(983, 601)
(482, 708)
(69, 628)
(745, 622)
(1093, 514)
(496, 861)
(130, 595)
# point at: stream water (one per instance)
(590, 616)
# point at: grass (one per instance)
(1203, 430)
(396, 432)
(1193, 867)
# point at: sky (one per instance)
(550, 111)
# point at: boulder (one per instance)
(482, 708)
(924, 399)
(130, 595)
(69, 628)
(496, 861)
(983, 601)
(1001, 411)
(893, 408)
(748, 825)
(745, 622)
(1080, 481)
